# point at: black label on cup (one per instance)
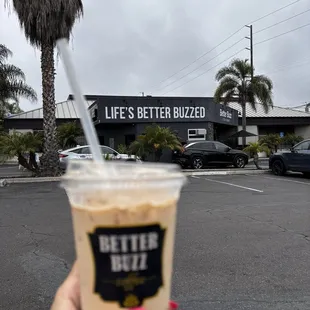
(128, 263)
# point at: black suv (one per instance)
(209, 153)
(296, 159)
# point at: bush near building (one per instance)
(23, 146)
(154, 141)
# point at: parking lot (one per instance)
(242, 243)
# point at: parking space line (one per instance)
(287, 180)
(231, 184)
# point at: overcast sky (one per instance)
(125, 47)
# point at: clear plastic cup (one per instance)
(124, 218)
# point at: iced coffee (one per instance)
(124, 224)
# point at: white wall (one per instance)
(21, 130)
(303, 131)
(251, 129)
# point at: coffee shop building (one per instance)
(119, 120)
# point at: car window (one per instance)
(85, 151)
(107, 150)
(201, 146)
(76, 151)
(220, 146)
(303, 146)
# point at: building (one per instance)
(278, 120)
(120, 119)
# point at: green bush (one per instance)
(291, 139)
(122, 149)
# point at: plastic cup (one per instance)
(124, 227)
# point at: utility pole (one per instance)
(251, 49)
(252, 75)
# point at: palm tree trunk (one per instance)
(50, 160)
(243, 123)
(256, 162)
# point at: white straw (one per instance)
(84, 115)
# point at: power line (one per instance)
(292, 66)
(203, 73)
(229, 37)
(282, 21)
(275, 11)
(182, 77)
(282, 34)
(208, 52)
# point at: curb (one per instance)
(7, 181)
(225, 172)
(31, 180)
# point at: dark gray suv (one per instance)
(296, 159)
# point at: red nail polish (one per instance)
(173, 305)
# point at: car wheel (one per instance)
(278, 167)
(239, 162)
(197, 163)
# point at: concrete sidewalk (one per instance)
(205, 172)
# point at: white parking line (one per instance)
(287, 180)
(231, 184)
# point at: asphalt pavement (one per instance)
(242, 242)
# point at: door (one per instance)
(299, 158)
(209, 152)
(222, 156)
(85, 153)
(108, 152)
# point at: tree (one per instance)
(272, 141)
(235, 85)
(154, 141)
(253, 149)
(23, 146)
(12, 86)
(44, 22)
(67, 134)
(291, 139)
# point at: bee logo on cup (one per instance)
(128, 263)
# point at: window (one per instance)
(220, 146)
(303, 146)
(77, 151)
(107, 150)
(201, 146)
(85, 151)
(196, 134)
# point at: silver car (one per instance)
(84, 153)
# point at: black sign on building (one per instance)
(120, 119)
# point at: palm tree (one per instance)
(67, 134)
(236, 85)
(154, 141)
(44, 22)
(253, 149)
(23, 146)
(12, 85)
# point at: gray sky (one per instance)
(128, 46)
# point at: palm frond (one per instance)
(45, 21)
(227, 71)
(5, 53)
(20, 89)
(242, 66)
(11, 72)
(226, 90)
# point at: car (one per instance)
(84, 153)
(200, 154)
(296, 159)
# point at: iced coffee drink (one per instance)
(124, 225)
